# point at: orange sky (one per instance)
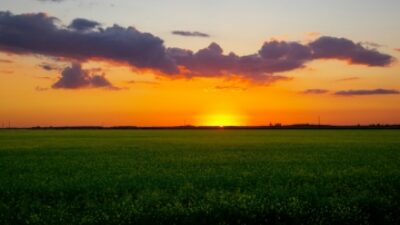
(26, 98)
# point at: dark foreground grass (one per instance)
(200, 177)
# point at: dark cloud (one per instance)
(46, 67)
(81, 24)
(40, 34)
(211, 61)
(49, 67)
(285, 51)
(368, 92)
(344, 49)
(274, 57)
(100, 81)
(74, 77)
(315, 91)
(190, 33)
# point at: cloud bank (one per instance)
(39, 34)
(84, 40)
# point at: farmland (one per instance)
(215, 176)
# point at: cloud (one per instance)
(81, 24)
(43, 77)
(367, 92)
(148, 82)
(315, 91)
(6, 72)
(49, 67)
(190, 33)
(40, 34)
(274, 57)
(313, 34)
(397, 49)
(5, 61)
(348, 79)
(344, 49)
(211, 62)
(230, 88)
(74, 77)
(38, 88)
(372, 44)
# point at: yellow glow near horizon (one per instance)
(222, 120)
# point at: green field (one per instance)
(199, 177)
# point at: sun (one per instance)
(221, 120)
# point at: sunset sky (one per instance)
(208, 62)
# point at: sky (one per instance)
(187, 62)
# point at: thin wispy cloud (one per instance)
(372, 44)
(230, 88)
(5, 61)
(48, 66)
(378, 91)
(6, 71)
(44, 77)
(148, 82)
(38, 88)
(315, 91)
(348, 79)
(190, 33)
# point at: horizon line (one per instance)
(273, 126)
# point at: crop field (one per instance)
(219, 176)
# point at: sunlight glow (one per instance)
(222, 120)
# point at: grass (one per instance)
(199, 177)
